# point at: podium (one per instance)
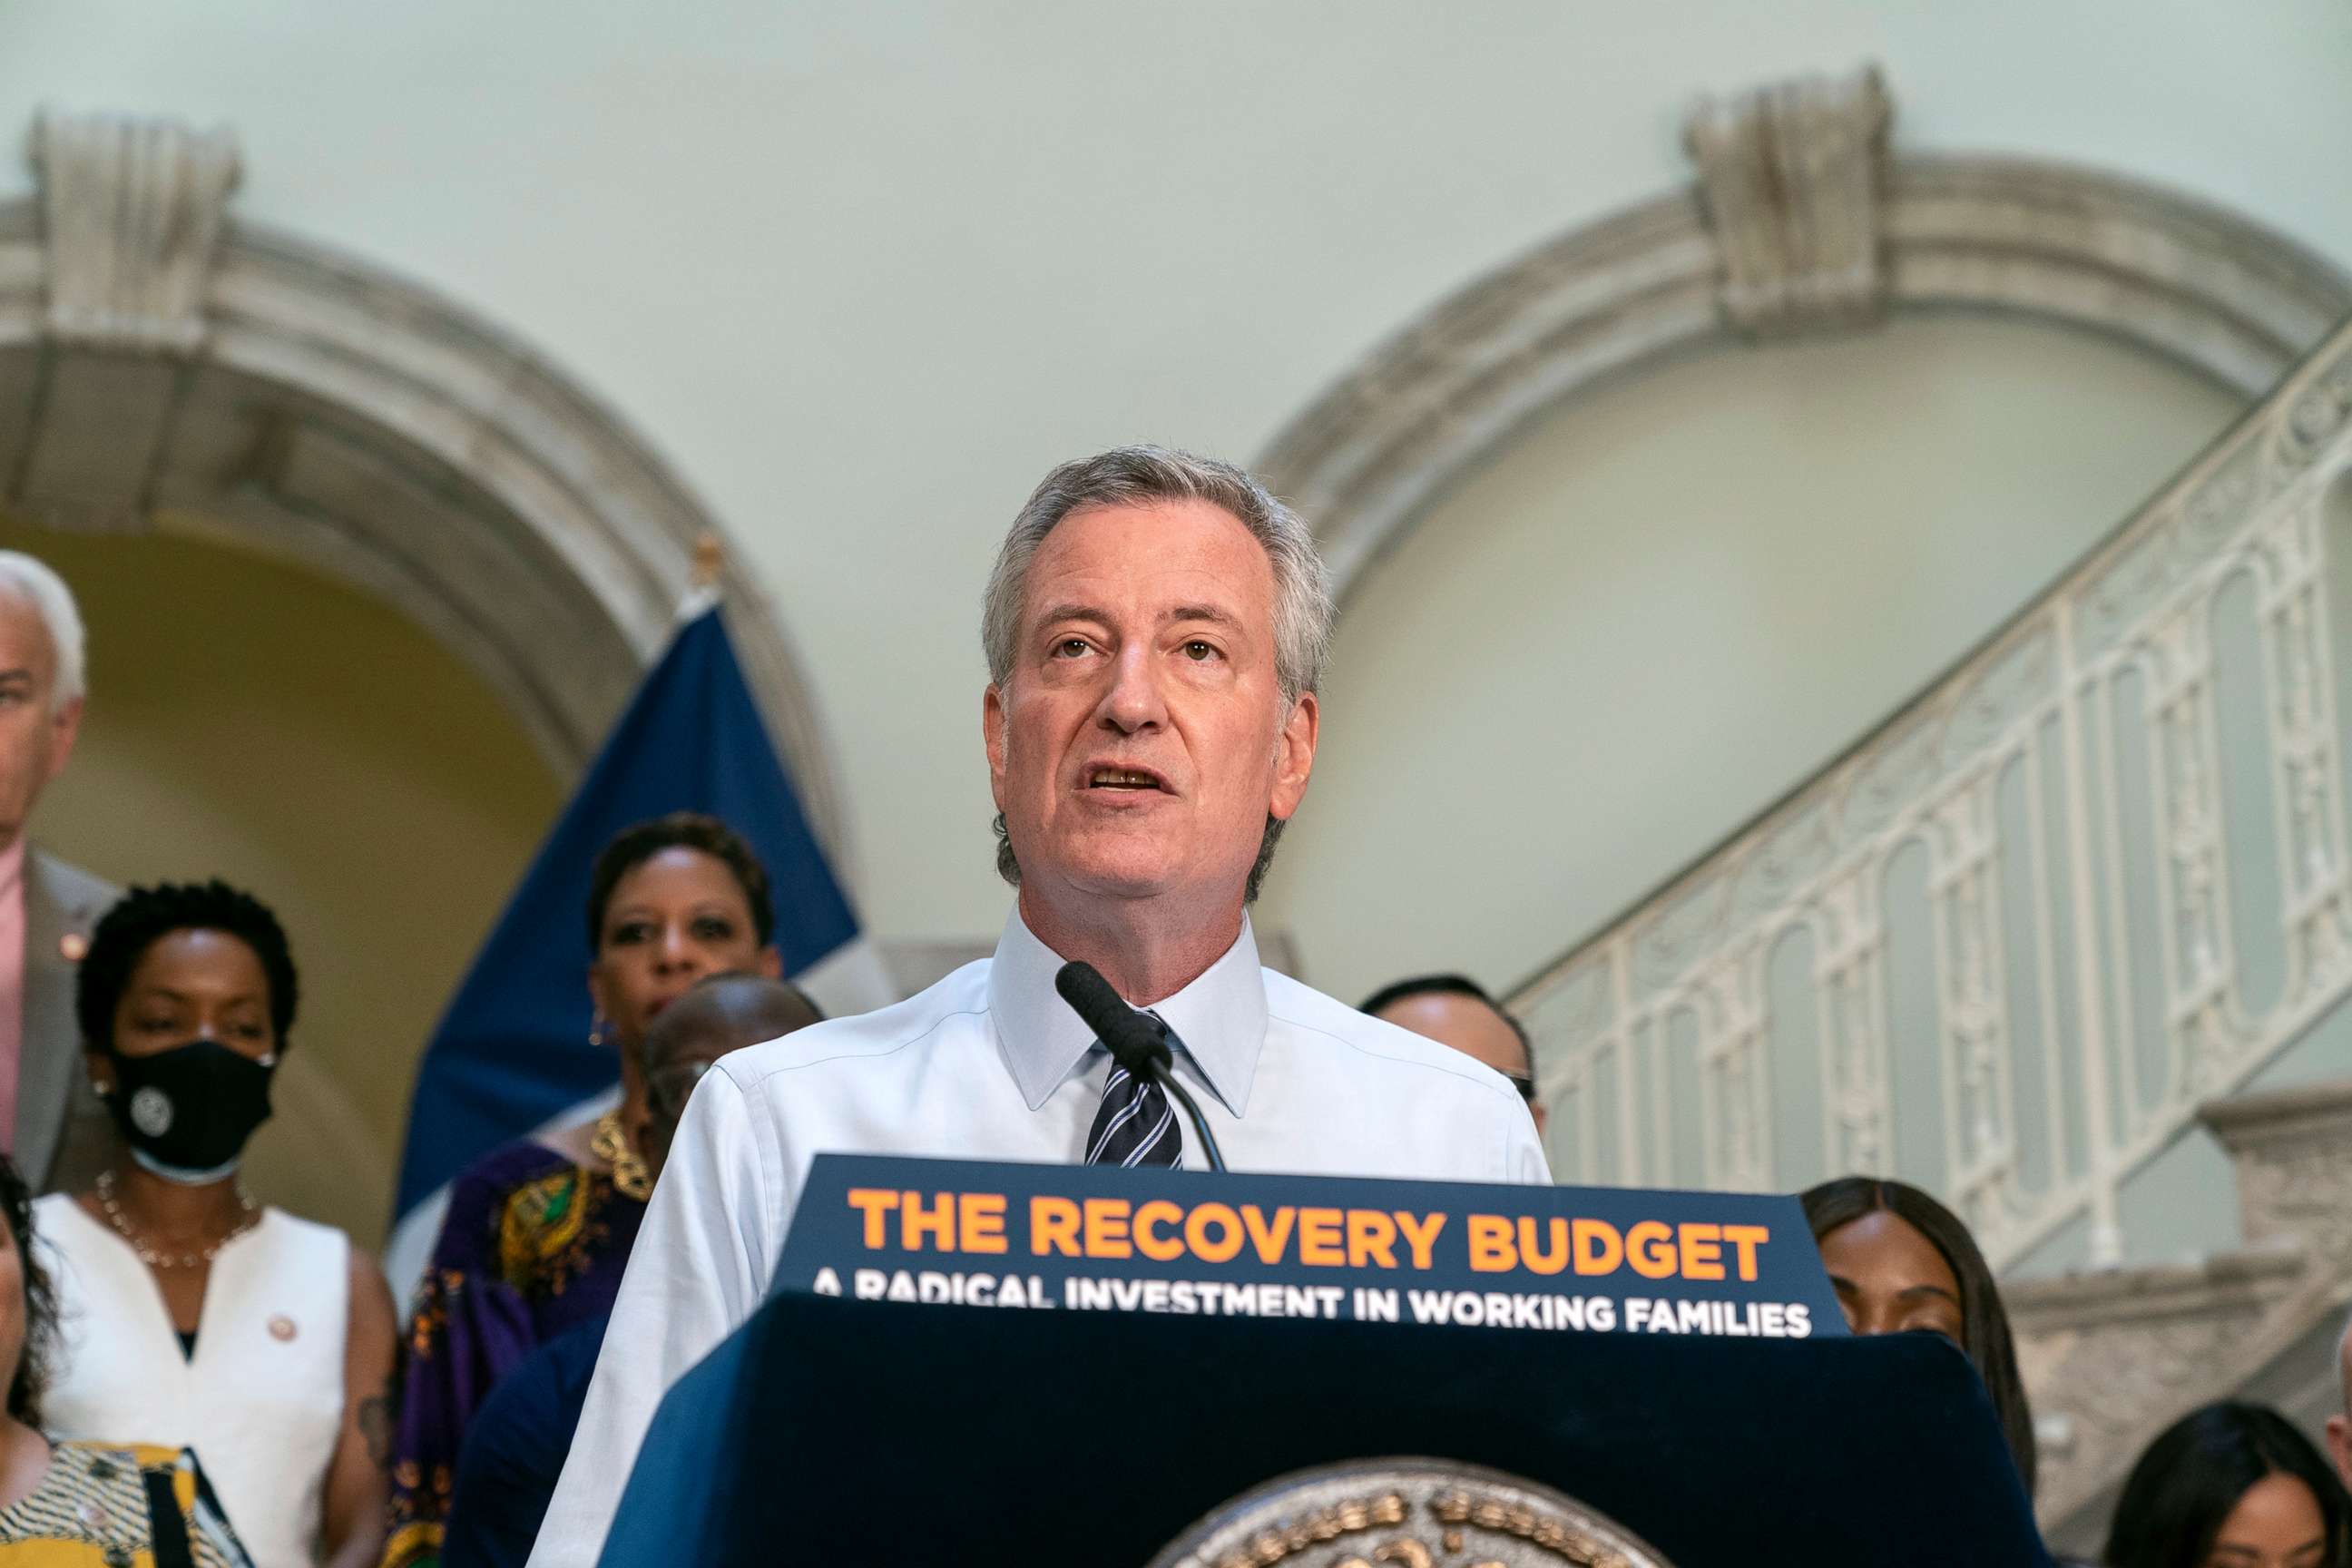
(832, 1430)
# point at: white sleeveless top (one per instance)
(261, 1401)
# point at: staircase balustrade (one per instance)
(2093, 877)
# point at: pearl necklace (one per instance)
(249, 1216)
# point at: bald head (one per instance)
(1456, 1011)
(723, 1014)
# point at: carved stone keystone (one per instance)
(130, 213)
(1789, 177)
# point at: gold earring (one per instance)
(596, 1032)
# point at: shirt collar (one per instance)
(1220, 1017)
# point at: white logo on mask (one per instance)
(151, 1111)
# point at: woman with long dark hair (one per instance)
(1899, 1260)
(2234, 1485)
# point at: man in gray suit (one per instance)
(55, 1126)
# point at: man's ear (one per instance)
(991, 732)
(1294, 756)
(770, 964)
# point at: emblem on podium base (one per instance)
(1410, 1513)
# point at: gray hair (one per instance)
(1140, 476)
(32, 580)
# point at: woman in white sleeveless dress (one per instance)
(82, 1504)
(192, 1317)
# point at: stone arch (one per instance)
(1684, 273)
(162, 367)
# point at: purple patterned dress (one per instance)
(532, 1244)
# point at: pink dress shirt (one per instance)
(12, 986)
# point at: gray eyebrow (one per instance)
(1209, 613)
(1074, 611)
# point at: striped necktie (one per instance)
(1136, 1126)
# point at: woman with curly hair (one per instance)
(192, 1314)
(86, 1504)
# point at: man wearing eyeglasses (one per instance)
(1456, 1011)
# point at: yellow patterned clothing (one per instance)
(115, 1505)
(532, 1244)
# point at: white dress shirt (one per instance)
(991, 1064)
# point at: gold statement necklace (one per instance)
(631, 1178)
(248, 1215)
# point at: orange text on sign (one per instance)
(1554, 1243)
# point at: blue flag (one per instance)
(512, 1051)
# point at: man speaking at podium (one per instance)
(1155, 630)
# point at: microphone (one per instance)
(1136, 1041)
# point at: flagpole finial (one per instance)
(710, 560)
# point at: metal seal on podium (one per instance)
(1409, 1513)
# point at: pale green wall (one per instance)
(1663, 608)
(251, 721)
(864, 271)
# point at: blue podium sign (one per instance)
(1100, 1239)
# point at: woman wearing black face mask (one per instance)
(195, 1317)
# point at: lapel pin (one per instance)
(74, 945)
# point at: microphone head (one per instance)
(1132, 1038)
(1084, 988)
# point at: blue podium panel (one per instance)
(832, 1428)
(840, 1431)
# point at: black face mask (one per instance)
(187, 1113)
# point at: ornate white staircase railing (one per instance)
(2095, 876)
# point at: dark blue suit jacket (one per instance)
(514, 1450)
